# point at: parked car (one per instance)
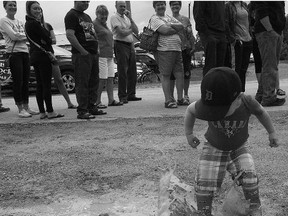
(65, 64)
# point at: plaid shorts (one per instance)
(213, 164)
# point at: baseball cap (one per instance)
(219, 88)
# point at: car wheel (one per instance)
(69, 81)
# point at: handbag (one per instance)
(8, 56)
(149, 38)
(50, 55)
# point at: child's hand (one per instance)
(193, 141)
(273, 140)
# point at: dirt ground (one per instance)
(91, 168)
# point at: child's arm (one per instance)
(264, 119)
(189, 121)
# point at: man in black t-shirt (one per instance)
(81, 34)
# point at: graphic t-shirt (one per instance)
(85, 33)
(232, 132)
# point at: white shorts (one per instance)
(106, 68)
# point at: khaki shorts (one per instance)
(106, 68)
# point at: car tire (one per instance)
(69, 81)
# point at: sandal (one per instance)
(183, 102)
(170, 105)
(115, 103)
(101, 106)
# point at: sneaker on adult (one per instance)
(32, 112)
(277, 102)
(4, 109)
(24, 114)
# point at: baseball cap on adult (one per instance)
(219, 88)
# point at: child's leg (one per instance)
(210, 174)
(204, 202)
(249, 180)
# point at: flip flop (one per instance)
(115, 103)
(56, 116)
(101, 106)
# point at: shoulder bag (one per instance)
(51, 56)
(149, 38)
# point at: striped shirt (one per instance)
(166, 42)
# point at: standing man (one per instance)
(81, 34)
(210, 23)
(269, 24)
(188, 46)
(123, 27)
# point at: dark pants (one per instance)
(126, 66)
(257, 56)
(20, 70)
(86, 70)
(242, 57)
(215, 46)
(43, 72)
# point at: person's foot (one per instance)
(96, 111)
(277, 102)
(183, 102)
(52, 115)
(186, 97)
(24, 114)
(124, 101)
(72, 106)
(101, 106)
(134, 98)
(32, 112)
(115, 103)
(281, 94)
(85, 116)
(4, 109)
(43, 115)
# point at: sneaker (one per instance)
(277, 102)
(4, 109)
(281, 94)
(32, 112)
(24, 114)
(85, 116)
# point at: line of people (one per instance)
(94, 68)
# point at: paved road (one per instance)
(152, 105)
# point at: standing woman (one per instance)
(106, 62)
(56, 73)
(15, 39)
(39, 34)
(239, 36)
